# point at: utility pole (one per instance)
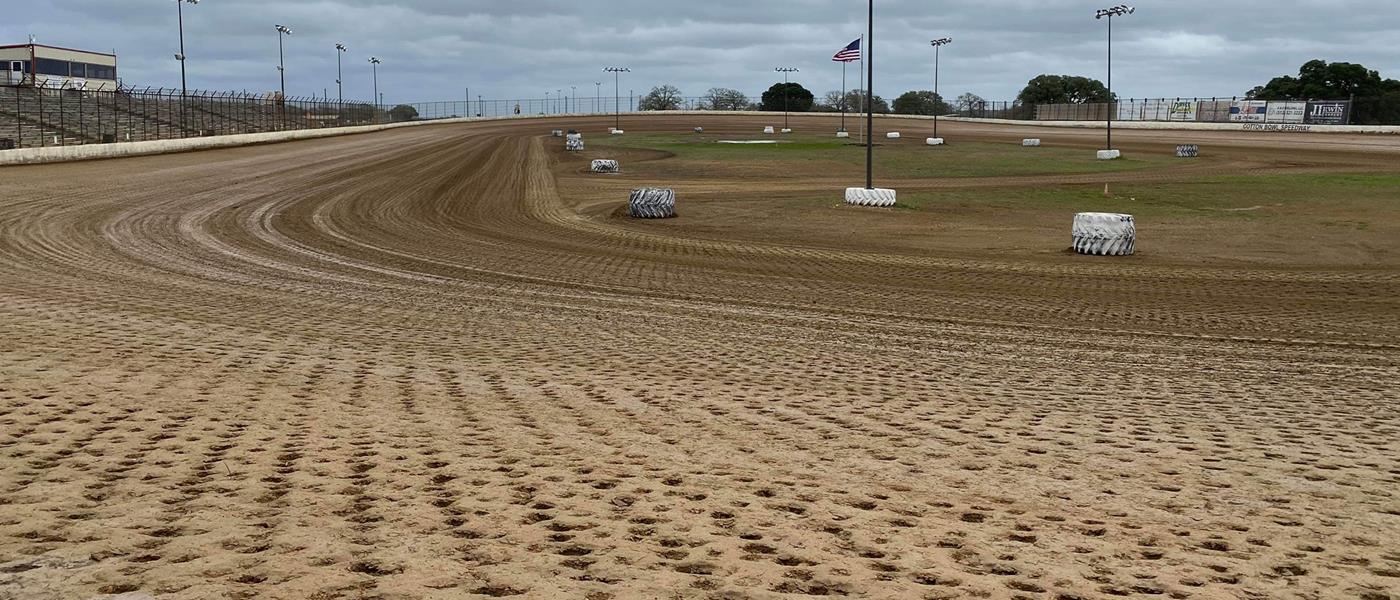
(1116, 11)
(617, 92)
(937, 45)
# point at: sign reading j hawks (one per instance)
(1328, 113)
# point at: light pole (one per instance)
(785, 71)
(937, 45)
(558, 97)
(617, 92)
(184, 87)
(546, 102)
(281, 59)
(597, 95)
(374, 71)
(870, 98)
(340, 85)
(1116, 11)
(573, 95)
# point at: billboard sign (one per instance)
(1285, 112)
(1327, 113)
(1248, 111)
(1214, 111)
(1182, 111)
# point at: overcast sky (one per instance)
(432, 49)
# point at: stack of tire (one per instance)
(603, 165)
(1188, 151)
(652, 203)
(574, 142)
(880, 197)
(1104, 234)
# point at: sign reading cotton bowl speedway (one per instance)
(1327, 113)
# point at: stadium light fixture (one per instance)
(339, 84)
(184, 86)
(374, 69)
(785, 71)
(617, 92)
(558, 97)
(597, 95)
(282, 31)
(1109, 13)
(573, 95)
(937, 44)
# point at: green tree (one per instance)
(724, 99)
(1063, 89)
(663, 97)
(855, 102)
(1377, 99)
(403, 112)
(799, 99)
(970, 101)
(921, 102)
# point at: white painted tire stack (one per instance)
(652, 203)
(934, 141)
(893, 135)
(1110, 154)
(1030, 142)
(768, 129)
(1188, 151)
(556, 133)
(699, 130)
(604, 165)
(1104, 234)
(843, 134)
(574, 142)
(870, 197)
(617, 132)
(786, 130)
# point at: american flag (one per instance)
(848, 54)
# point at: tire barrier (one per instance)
(1109, 154)
(1104, 234)
(1188, 151)
(893, 135)
(786, 130)
(604, 165)
(768, 129)
(1030, 142)
(699, 130)
(652, 203)
(870, 197)
(934, 141)
(617, 132)
(556, 133)
(843, 134)
(574, 142)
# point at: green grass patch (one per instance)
(902, 160)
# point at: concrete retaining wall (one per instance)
(51, 154)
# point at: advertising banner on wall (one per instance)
(1129, 111)
(1248, 111)
(1327, 113)
(1214, 111)
(1285, 112)
(1182, 111)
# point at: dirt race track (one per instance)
(437, 362)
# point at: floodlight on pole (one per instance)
(937, 44)
(374, 70)
(1109, 13)
(617, 92)
(785, 71)
(282, 31)
(184, 86)
(339, 84)
(558, 97)
(597, 95)
(573, 95)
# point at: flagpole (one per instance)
(869, 47)
(862, 79)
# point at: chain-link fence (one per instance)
(1188, 110)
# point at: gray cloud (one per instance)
(432, 49)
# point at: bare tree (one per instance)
(665, 97)
(725, 99)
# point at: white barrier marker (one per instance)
(934, 141)
(768, 129)
(893, 135)
(843, 134)
(1109, 154)
(870, 197)
(652, 203)
(617, 132)
(1104, 234)
(1030, 142)
(786, 130)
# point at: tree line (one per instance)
(1376, 100)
